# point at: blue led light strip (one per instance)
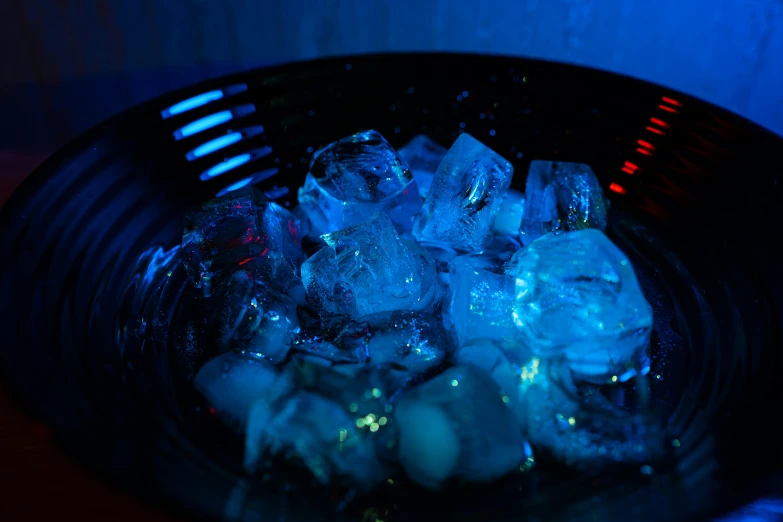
(213, 120)
(216, 144)
(224, 141)
(202, 99)
(234, 162)
(205, 123)
(196, 101)
(255, 178)
(227, 165)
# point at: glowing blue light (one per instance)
(627, 375)
(205, 123)
(770, 508)
(255, 178)
(235, 186)
(217, 144)
(196, 101)
(227, 165)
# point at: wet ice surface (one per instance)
(316, 431)
(410, 341)
(241, 228)
(561, 196)
(577, 296)
(362, 270)
(249, 315)
(352, 178)
(423, 156)
(371, 354)
(232, 382)
(571, 420)
(466, 194)
(457, 425)
(509, 216)
(481, 302)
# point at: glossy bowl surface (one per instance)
(696, 198)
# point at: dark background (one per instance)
(67, 65)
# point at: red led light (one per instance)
(646, 144)
(671, 101)
(668, 109)
(614, 187)
(656, 131)
(629, 171)
(644, 151)
(632, 166)
(660, 123)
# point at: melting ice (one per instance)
(446, 356)
(466, 194)
(352, 178)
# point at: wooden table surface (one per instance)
(39, 480)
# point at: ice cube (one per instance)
(561, 419)
(577, 297)
(363, 269)
(410, 341)
(319, 432)
(496, 254)
(466, 194)
(241, 229)
(509, 217)
(423, 156)
(316, 346)
(250, 316)
(427, 270)
(366, 393)
(558, 414)
(481, 304)
(457, 425)
(561, 196)
(232, 382)
(515, 370)
(351, 179)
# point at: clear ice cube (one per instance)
(573, 421)
(316, 346)
(561, 418)
(482, 302)
(509, 216)
(241, 229)
(513, 368)
(250, 316)
(427, 270)
(410, 341)
(367, 389)
(466, 194)
(423, 156)
(362, 270)
(351, 179)
(577, 297)
(457, 425)
(561, 196)
(317, 431)
(232, 382)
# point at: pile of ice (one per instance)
(432, 321)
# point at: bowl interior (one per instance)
(694, 192)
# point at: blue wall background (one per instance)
(69, 64)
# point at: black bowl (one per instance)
(695, 200)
